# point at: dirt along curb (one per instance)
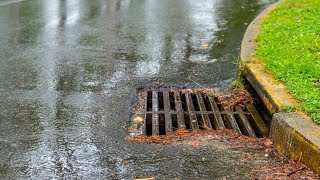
(294, 134)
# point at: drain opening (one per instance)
(226, 121)
(213, 121)
(149, 101)
(164, 111)
(195, 102)
(201, 124)
(219, 106)
(174, 122)
(162, 124)
(254, 125)
(184, 102)
(172, 103)
(187, 120)
(207, 103)
(160, 101)
(149, 124)
(240, 124)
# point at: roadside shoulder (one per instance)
(294, 134)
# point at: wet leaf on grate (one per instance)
(239, 97)
(138, 120)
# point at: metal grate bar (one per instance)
(205, 116)
(168, 123)
(263, 130)
(192, 114)
(168, 118)
(180, 116)
(155, 115)
(142, 109)
(245, 122)
(166, 110)
(232, 120)
(219, 122)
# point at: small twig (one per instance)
(300, 157)
(195, 82)
(293, 172)
(152, 160)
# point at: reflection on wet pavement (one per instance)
(69, 69)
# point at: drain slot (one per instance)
(172, 103)
(184, 102)
(195, 102)
(213, 121)
(149, 101)
(207, 103)
(160, 101)
(174, 122)
(149, 124)
(200, 122)
(226, 121)
(187, 120)
(162, 124)
(166, 110)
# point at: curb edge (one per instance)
(290, 132)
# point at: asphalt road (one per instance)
(69, 71)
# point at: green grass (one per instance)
(289, 44)
(239, 81)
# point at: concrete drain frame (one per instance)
(164, 110)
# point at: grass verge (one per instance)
(289, 45)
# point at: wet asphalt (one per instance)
(69, 70)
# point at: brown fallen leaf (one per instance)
(268, 143)
(138, 120)
(205, 46)
(239, 97)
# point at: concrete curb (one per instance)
(297, 137)
(294, 134)
(249, 43)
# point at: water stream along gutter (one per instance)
(293, 133)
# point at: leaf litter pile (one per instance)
(237, 98)
(277, 167)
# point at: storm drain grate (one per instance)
(165, 110)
